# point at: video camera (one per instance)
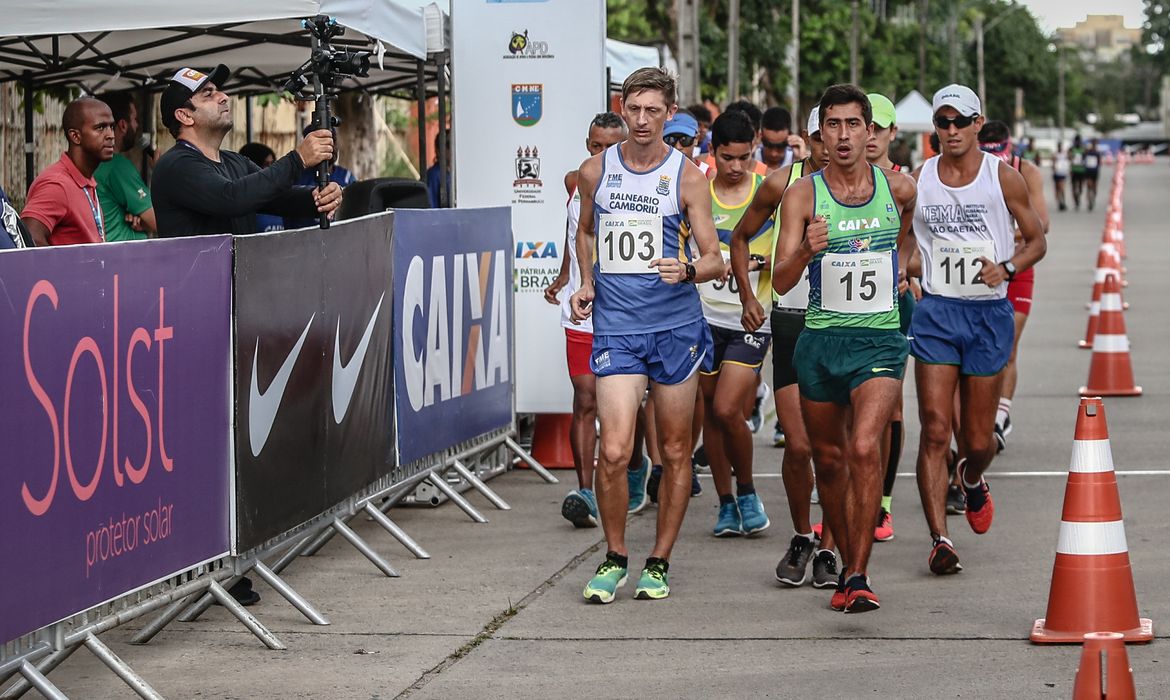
(325, 71)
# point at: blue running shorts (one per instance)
(665, 357)
(976, 335)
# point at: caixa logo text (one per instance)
(535, 249)
(454, 326)
(116, 377)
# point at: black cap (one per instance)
(183, 85)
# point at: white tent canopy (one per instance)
(914, 113)
(622, 59)
(123, 43)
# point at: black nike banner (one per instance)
(314, 416)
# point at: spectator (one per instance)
(63, 206)
(433, 175)
(13, 233)
(681, 132)
(263, 156)
(126, 207)
(340, 175)
(200, 189)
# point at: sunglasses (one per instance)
(676, 139)
(960, 121)
(774, 145)
(997, 147)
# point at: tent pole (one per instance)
(444, 165)
(29, 160)
(420, 94)
(248, 119)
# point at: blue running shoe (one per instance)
(728, 524)
(696, 488)
(751, 511)
(580, 508)
(637, 480)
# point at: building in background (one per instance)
(1104, 37)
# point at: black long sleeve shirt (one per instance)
(194, 195)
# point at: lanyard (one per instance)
(97, 216)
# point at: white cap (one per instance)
(814, 120)
(961, 97)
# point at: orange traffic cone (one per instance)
(550, 440)
(1092, 583)
(1104, 269)
(1105, 671)
(1110, 371)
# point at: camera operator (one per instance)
(199, 189)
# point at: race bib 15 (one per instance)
(857, 283)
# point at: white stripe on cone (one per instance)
(1110, 302)
(1091, 456)
(1087, 539)
(1110, 343)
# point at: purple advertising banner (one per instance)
(115, 367)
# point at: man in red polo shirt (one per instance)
(63, 206)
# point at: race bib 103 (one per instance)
(627, 244)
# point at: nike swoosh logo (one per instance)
(262, 407)
(345, 376)
(875, 370)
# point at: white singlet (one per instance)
(573, 216)
(954, 226)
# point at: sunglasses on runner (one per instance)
(996, 147)
(774, 145)
(675, 139)
(960, 121)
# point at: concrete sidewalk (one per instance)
(497, 611)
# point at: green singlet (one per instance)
(854, 282)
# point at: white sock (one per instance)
(810, 536)
(946, 539)
(1001, 414)
(963, 479)
(818, 553)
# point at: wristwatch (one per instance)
(690, 276)
(1009, 268)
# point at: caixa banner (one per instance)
(115, 372)
(452, 327)
(314, 419)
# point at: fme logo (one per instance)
(459, 312)
(536, 249)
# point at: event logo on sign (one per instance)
(520, 46)
(537, 266)
(528, 187)
(527, 103)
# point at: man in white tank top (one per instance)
(969, 204)
(580, 506)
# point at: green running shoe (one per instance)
(610, 576)
(652, 585)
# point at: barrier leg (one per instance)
(478, 484)
(45, 667)
(37, 680)
(290, 555)
(205, 601)
(289, 594)
(532, 463)
(398, 533)
(452, 495)
(147, 633)
(366, 550)
(107, 656)
(227, 601)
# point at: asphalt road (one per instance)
(497, 611)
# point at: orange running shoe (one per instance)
(980, 509)
(859, 597)
(884, 532)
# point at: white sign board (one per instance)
(527, 78)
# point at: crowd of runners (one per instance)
(698, 245)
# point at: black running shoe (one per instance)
(956, 500)
(652, 483)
